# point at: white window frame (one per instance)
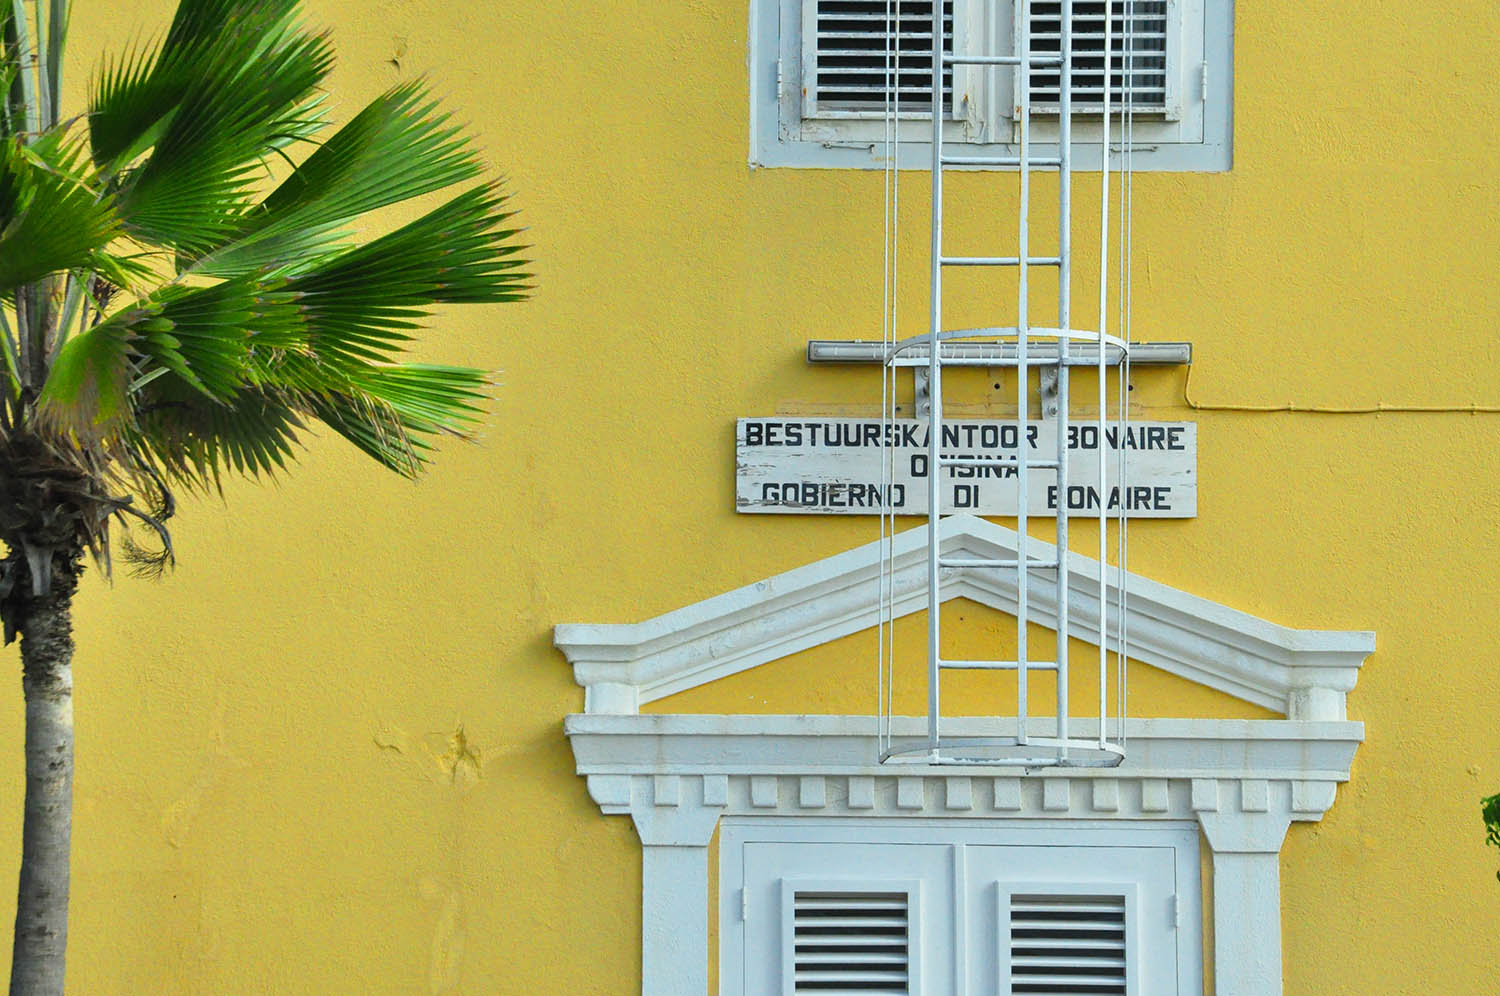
(1242, 782)
(958, 892)
(1193, 136)
(969, 120)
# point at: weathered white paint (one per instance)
(1304, 674)
(674, 891)
(1196, 136)
(1242, 781)
(1246, 846)
(675, 818)
(1216, 765)
(834, 466)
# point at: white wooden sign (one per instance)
(833, 466)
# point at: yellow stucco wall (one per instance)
(325, 755)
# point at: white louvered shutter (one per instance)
(846, 69)
(1153, 56)
(1067, 945)
(850, 942)
(929, 910)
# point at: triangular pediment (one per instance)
(1294, 672)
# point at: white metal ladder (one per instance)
(1051, 351)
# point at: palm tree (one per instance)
(180, 298)
(1489, 811)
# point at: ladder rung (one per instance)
(1042, 163)
(996, 665)
(998, 261)
(1000, 60)
(1038, 565)
(993, 461)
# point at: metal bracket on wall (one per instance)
(1142, 354)
(1049, 391)
(1082, 354)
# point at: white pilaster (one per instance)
(1247, 910)
(1247, 892)
(675, 818)
(674, 881)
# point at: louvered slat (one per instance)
(849, 942)
(808, 902)
(1067, 945)
(853, 68)
(1147, 71)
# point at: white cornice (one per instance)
(1174, 768)
(1300, 673)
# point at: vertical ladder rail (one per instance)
(1104, 320)
(1109, 20)
(1064, 318)
(934, 379)
(1023, 370)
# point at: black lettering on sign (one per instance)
(752, 433)
(965, 495)
(1083, 437)
(919, 465)
(1080, 496)
(980, 470)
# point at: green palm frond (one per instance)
(206, 111)
(362, 304)
(214, 328)
(392, 412)
(135, 95)
(50, 217)
(87, 394)
(161, 326)
(398, 147)
(192, 441)
(201, 336)
(193, 191)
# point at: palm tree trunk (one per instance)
(41, 936)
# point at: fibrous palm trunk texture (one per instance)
(44, 622)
